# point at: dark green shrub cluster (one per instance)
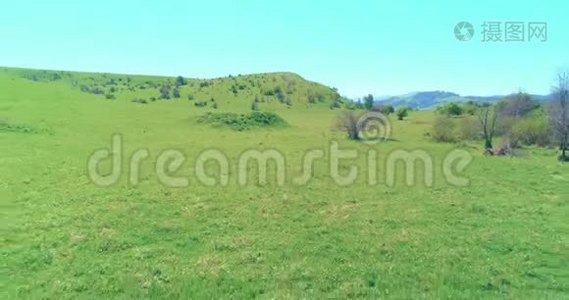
(91, 90)
(450, 109)
(141, 101)
(205, 84)
(165, 92)
(444, 130)
(176, 93)
(241, 122)
(44, 76)
(15, 128)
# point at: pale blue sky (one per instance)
(360, 47)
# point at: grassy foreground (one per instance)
(505, 235)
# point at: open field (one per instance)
(504, 235)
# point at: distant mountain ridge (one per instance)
(432, 99)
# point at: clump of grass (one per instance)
(15, 128)
(138, 100)
(241, 122)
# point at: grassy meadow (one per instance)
(504, 235)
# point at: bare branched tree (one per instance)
(559, 114)
(488, 115)
(348, 122)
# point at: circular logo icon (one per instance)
(374, 127)
(463, 31)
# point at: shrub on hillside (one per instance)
(180, 81)
(242, 122)
(315, 98)
(91, 90)
(206, 83)
(444, 129)
(335, 104)
(164, 92)
(15, 128)
(264, 118)
(281, 96)
(450, 109)
(530, 131)
(402, 112)
(348, 122)
(176, 93)
(255, 105)
(141, 101)
(469, 128)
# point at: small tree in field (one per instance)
(487, 115)
(368, 102)
(402, 112)
(180, 81)
(255, 104)
(164, 92)
(559, 114)
(348, 122)
(176, 93)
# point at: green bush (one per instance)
(444, 129)
(530, 131)
(402, 112)
(469, 128)
(242, 122)
(176, 93)
(141, 101)
(15, 128)
(450, 109)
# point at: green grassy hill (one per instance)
(233, 92)
(504, 235)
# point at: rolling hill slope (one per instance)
(235, 92)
